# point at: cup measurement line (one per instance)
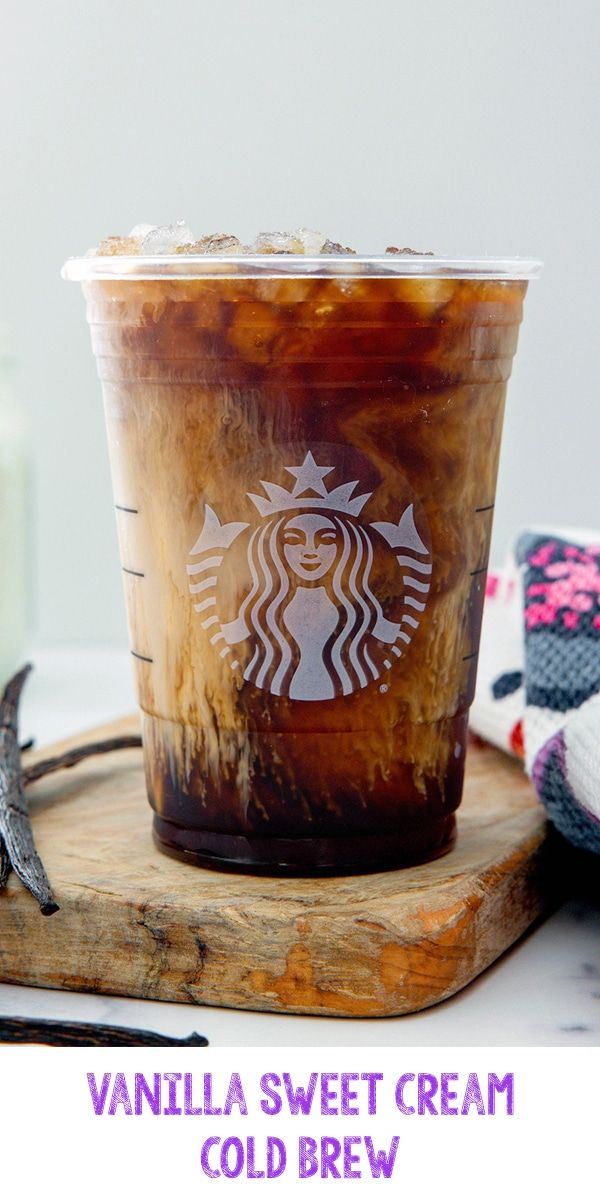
(130, 571)
(142, 657)
(124, 508)
(473, 574)
(485, 508)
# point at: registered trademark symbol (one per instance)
(384, 687)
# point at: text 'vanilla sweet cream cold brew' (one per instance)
(304, 455)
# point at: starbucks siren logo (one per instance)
(312, 624)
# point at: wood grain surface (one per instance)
(134, 922)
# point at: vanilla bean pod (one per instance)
(79, 1033)
(18, 847)
(70, 758)
(5, 867)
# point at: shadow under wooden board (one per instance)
(133, 922)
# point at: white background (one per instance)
(54, 1145)
(464, 127)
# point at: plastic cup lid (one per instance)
(265, 266)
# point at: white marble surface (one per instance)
(545, 991)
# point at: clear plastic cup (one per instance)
(304, 456)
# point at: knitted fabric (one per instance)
(538, 689)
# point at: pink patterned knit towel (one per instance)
(538, 687)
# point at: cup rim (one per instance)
(278, 266)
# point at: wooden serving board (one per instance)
(134, 922)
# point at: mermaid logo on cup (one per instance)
(310, 619)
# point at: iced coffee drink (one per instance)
(304, 446)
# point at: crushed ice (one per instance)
(167, 239)
(154, 240)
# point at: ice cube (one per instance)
(298, 241)
(167, 239)
(407, 250)
(311, 241)
(216, 243)
(335, 248)
(118, 245)
(278, 243)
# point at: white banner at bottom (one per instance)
(435, 1122)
